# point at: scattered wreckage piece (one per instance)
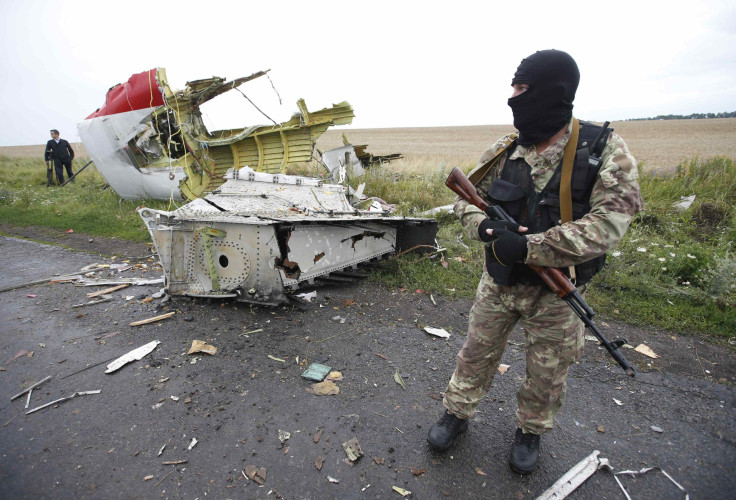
(61, 400)
(134, 355)
(153, 320)
(634, 473)
(575, 477)
(29, 389)
(368, 159)
(117, 281)
(99, 300)
(260, 234)
(149, 141)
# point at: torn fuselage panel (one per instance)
(269, 233)
(149, 141)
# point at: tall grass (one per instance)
(86, 205)
(674, 269)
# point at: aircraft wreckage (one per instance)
(149, 141)
(249, 231)
(260, 234)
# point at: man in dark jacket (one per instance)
(61, 153)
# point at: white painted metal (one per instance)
(573, 478)
(106, 137)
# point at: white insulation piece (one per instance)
(133, 355)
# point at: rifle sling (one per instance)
(479, 173)
(568, 160)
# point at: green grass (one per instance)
(85, 205)
(675, 270)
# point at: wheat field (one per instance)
(657, 145)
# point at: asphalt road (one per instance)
(238, 402)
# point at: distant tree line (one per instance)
(693, 116)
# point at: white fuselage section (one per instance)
(105, 139)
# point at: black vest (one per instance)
(515, 192)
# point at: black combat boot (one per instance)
(443, 433)
(524, 452)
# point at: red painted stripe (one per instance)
(141, 91)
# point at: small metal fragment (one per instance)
(30, 388)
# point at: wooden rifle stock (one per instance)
(555, 279)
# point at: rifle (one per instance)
(553, 278)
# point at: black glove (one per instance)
(507, 247)
(493, 224)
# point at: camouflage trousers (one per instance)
(554, 340)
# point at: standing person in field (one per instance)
(522, 173)
(62, 155)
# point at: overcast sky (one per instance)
(399, 63)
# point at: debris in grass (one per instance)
(437, 332)
(398, 379)
(201, 346)
(352, 449)
(154, 319)
(684, 203)
(316, 372)
(646, 351)
(325, 388)
(503, 368)
(134, 355)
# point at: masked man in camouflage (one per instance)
(525, 180)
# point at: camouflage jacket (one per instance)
(614, 201)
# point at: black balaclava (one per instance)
(541, 111)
